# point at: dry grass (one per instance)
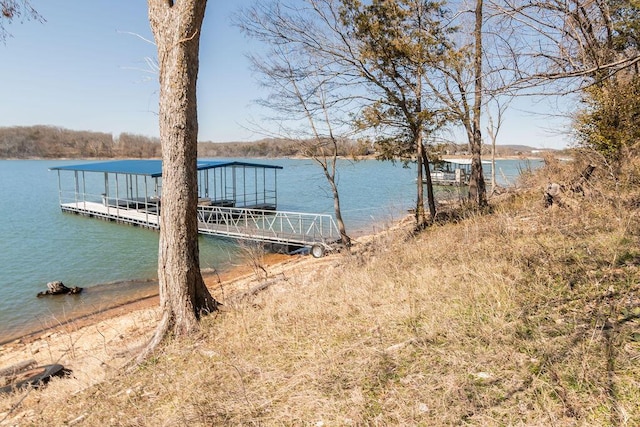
(524, 316)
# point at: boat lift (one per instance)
(236, 200)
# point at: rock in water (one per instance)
(58, 288)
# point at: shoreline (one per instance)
(246, 271)
(213, 280)
(96, 346)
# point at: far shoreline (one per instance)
(528, 156)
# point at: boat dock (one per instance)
(451, 172)
(236, 200)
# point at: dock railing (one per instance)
(225, 220)
(294, 228)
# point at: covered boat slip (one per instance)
(451, 172)
(138, 184)
(235, 199)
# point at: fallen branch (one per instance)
(259, 288)
(18, 367)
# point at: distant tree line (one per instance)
(51, 142)
(274, 148)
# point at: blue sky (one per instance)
(82, 70)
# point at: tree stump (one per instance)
(576, 186)
(552, 194)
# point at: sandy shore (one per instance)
(96, 345)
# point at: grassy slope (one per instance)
(525, 316)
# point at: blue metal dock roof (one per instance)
(152, 168)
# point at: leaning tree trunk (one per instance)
(183, 294)
(421, 217)
(427, 173)
(344, 237)
(329, 169)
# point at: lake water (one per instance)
(117, 263)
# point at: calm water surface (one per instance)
(116, 263)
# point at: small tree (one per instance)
(397, 44)
(183, 295)
(306, 92)
(492, 130)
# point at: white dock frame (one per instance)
(232, 202)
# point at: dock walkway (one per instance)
(262, 225)
(140, 217)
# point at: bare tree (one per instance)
(184, 298)
(456, 81)
(303, 89)
(493, 129)
(587, 48)
(577, 42)
(382, 68)
(15, 9)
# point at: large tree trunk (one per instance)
(477, 187)
(183, 294)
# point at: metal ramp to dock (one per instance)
(261, 225)
(287, 228)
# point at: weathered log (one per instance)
(553, 192)
(34, 377)
(18, 367)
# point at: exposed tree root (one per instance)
(168, 325)
(162, 331)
